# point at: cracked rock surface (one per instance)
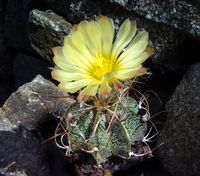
(32, 104)
(183, 14)
(46, 30)
(21, 151)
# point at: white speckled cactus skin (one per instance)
(105, 131)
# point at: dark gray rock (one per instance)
(162, 38)
(46, 30)
(33, 103)
(22, 154)
(183, 14)
(78, 10)
(180, 153)
(21, 151)
(45, 33)
(26, 67)
(6, 126)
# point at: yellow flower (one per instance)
(93, 59)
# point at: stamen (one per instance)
(102, 68)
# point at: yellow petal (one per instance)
(63, 62)
(104, 89)
(121, 71)
(78, 41)
(94, 35)
(139, 41)
(59, 59)
(82, 28)
(58, 53)
(67, 66)
(73, 86)
(90, 90)
(93, 42)
(136, 47)
(128, 73)
(107, 32)
(74, 56)
(63, 76)
(124, 36)
(130, 61)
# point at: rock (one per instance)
(162, 38)
(46, 30)
(26, 67)
(180, 153)
(33, 103)
(21, 151)
(21, 154)
(183, 14)
(6, 126)
(78, 10)
(45, 33)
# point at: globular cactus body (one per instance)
(105, 130)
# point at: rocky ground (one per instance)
(30, 107)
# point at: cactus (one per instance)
(105, 129)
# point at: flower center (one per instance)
(102, 68)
